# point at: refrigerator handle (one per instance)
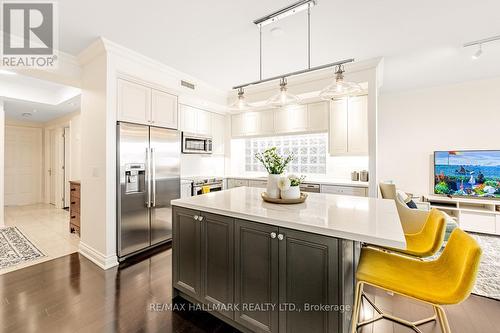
(148, 177)
(153, 168)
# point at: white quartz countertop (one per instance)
(369, 220)
(313, 180)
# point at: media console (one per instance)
(476, 215)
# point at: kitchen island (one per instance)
(263, 267)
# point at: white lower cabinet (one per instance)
(232, 183)
(478, 222)
(257, 183)
(345, 190)
(186, 190)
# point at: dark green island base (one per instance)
(263, 278)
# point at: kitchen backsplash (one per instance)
(338, 167)
(202, 165)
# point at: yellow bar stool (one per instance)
(427, 241)
(446, 280)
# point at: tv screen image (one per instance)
(467, 173)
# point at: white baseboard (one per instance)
(105, 262)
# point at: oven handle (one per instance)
(212, 186)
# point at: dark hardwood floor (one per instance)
(71, 294)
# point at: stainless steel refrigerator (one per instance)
(148, 169)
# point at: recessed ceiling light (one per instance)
(6, 72)
(26, 115)
(72, 103)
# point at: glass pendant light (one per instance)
(240, 104)
(283, 98)
(339, 88)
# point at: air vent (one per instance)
(187, 84)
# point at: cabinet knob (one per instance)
(273, 235)
(196, 217)
(200, 218)
(280, 237)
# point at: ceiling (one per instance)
(24, 94)
(39, 112)
(217, 42)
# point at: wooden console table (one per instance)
(74, 208)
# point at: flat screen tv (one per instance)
(467, 173)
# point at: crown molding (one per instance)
(95, 49)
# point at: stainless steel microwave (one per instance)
(195, 144)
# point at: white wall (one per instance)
(75, 147)
(200, 165)
(98, 232)
(413, 124)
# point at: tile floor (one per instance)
(46, 227)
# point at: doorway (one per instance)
(57, 162)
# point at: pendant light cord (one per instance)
(260, 51)
(309, 36)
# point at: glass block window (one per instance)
(309, 151)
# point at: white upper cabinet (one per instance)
(252, 123)
(218, 133)
(188, 117)
(294, 119)
(204, 122)
(338, 127)
(267, 124)
(143, 105)
(134, 102)
(349, 126)
(237, 125)
(195, 121)
(291, 119)
(317, 116)
(357, 125)
(163, 109)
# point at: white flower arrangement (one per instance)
(284, 183)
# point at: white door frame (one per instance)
(67, 165)
(57, 170)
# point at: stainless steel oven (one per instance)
(210, 184)
(195, 144)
